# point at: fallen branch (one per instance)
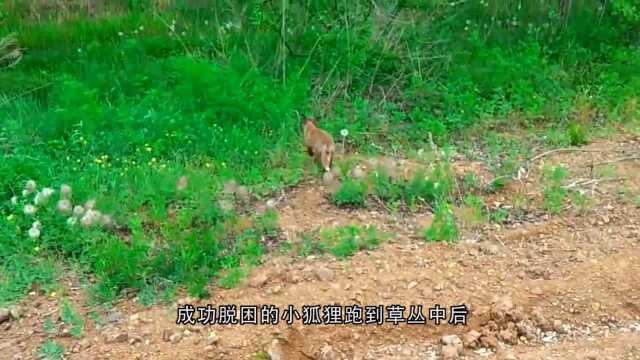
(614, 161)
(587, 182)
(550, 152)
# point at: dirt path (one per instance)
(547, 287)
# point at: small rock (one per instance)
(489, 248)
(489, 341)
(15, 312)
(470, 339)
(114, 317)
(212, 339)
(507, 336)
(175, 338)
(449, 352)
(537, 291)
(116, 337)
(134, 340)
(76, 348)
(324, 273)
(166, 335)
(412, 285)
(259, 280)
(451, 340)
(5, 315)
(328, 353)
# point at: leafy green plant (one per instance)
(554, 194)
(51, 350)
(351, 193)
(70, 317)
(577, 134)
(444, 227)
(384, 187)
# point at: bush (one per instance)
(351, 193)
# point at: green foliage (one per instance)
(477, 206)
(498, 216)
(49, 327)
(384, 187)
(444, 226)
(554, 193)
(577, 134)
(70, 317)
(347, 240)
(51, 350)
(351, 193)
(430, 189)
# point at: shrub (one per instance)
(351, 193)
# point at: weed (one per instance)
(351, 193)
(49, 327)
(444, 227)
(70, 317)
(384, 187)
(346, 241)
(581, 201)
(477, 207)
(51, 350)
(577, 134)
(554, 193)
(498, 216)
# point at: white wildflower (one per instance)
(25, 193)
(72, 221)
(436, 185)
(30, 186)
(141, 28)
(78, 210)
(34, 233)
(14, 200)
(344, 132)
(38, 199)
(90, 217)
(29, 209)
(182, 183)
(65, 191)
(120, 33)
(106, 220)
(47, 192)
(36, 224)
(90, 204)
(64, 206)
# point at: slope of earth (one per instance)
(561, 286)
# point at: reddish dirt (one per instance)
(561, 286)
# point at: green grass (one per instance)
(345, 241)
(444, 227)
(554, 194)
(72, 319)
(51, 350)
(122, 105)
